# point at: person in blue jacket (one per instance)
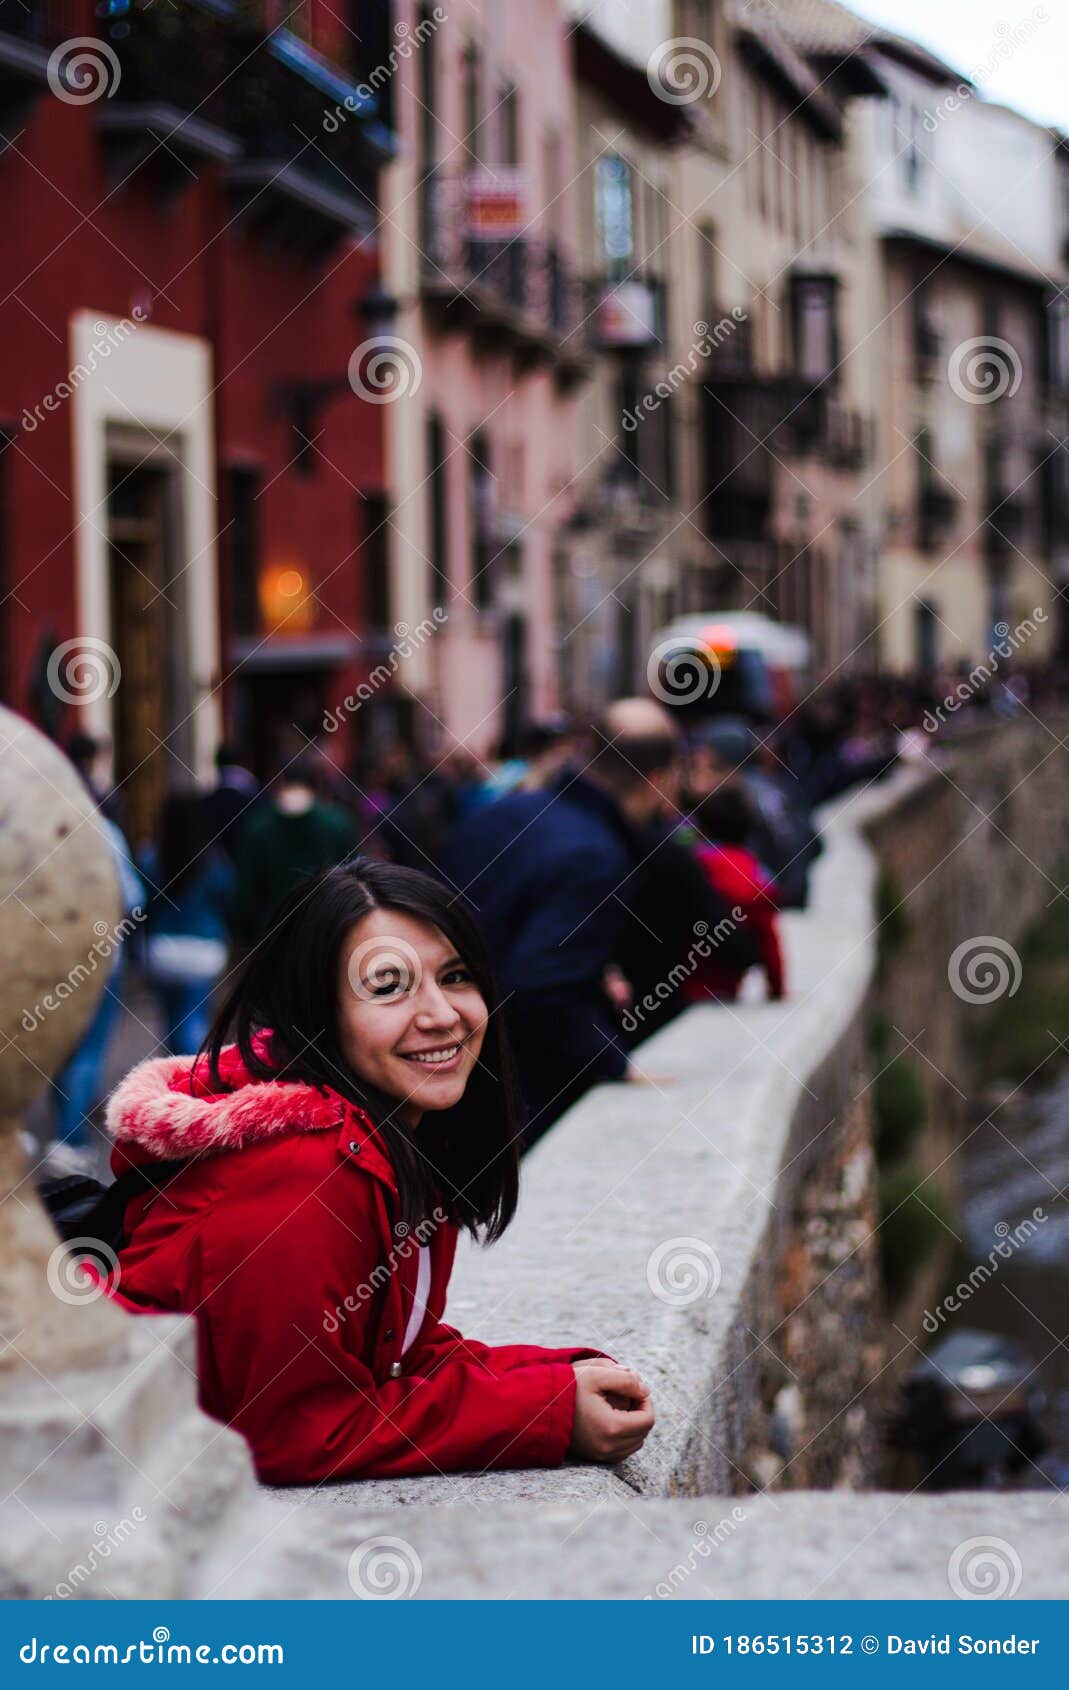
(548, 873)
(190, 914)
(79, 1085)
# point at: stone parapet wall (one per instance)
(972, 853)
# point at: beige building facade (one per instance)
(630, 547)
(716, 193)
(478, 238)
(964, 210)
(780, 448)
(973, 419)
(698, 301)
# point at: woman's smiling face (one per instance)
(411, 1019)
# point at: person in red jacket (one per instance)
(723, 820)
(362, 1116)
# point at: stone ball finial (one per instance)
(59, 911)
(60, 900)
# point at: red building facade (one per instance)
(190, 476)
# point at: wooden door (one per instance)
(137, 541)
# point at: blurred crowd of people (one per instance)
(621, 870)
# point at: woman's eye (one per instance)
(386, 985)
(457, 977)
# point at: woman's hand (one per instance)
(613, 1411)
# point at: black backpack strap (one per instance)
(109, 1215)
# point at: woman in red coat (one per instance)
(362, 1116)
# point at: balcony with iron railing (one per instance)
(1053, 478)
(927, 350)
(169, 109)
(936, 513)
(29, 31)
(314, 141)
(42, 22)
(1004, 521)
(821, 424)
(762, 412)
(183, 47)
(741, 420)
(848, 436)
(195, 81)
(795, 412)
(731, 356)
(1006, 500)
(514, 290)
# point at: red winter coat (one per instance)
(280, 1239)
(742, 882)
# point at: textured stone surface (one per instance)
(112, 1478)
(820, 1545)
(110, 1474)
(58, 897)
(977, 850)
(57, 881)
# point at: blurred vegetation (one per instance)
(893, 921)
(911, 1206)
(900, 1108)
(915, 1214)
(1018, 1036)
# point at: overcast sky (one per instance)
(975, 36)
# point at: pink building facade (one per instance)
(479, 244)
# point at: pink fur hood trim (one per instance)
(166, 1111)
